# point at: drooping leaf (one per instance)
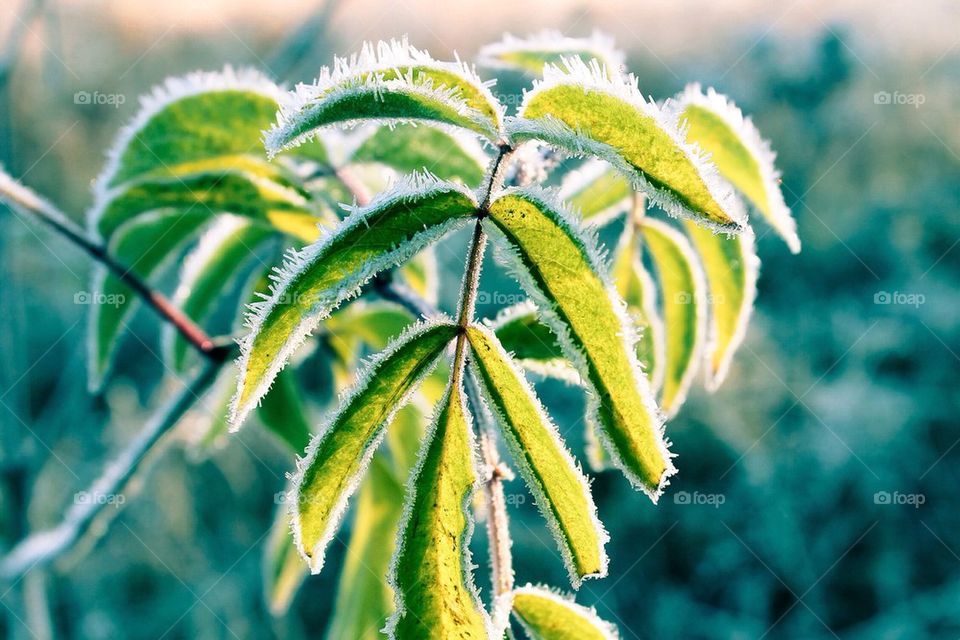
(364, 599)
(742, 156)
(561, 490)
(284, 414)
(532, 343)
(283, 568)
(431, 571)
(732, 268)
(583, 111)
(388, 82)
(550, 47)
(545, 615)
(145, 245)
(408, 148)
(208, 270)
(597, 191)
(392, 228)
(639, 292)
(684, 308)
(339, 454)
(560, 268)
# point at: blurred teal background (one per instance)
(817, 489)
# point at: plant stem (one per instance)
(43, 547)
(24, 200)
(498, 532)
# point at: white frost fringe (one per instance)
(590, 77)
(607, 630)
(748, 134)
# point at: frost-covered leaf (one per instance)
(561, 490)
(684, 308)
(732, 268)
(284, 414)
(431, 571)
(364, 599)
(388, 82)
(409, 148)
(229, 191)
(597, 191)
(283, 568)
(530, 54)
(420, 274)
(741, 155)
(145, 244)
(372, 323)
(583, 111)
(532, 343)
(560, 268)
(339, 454)
(640, 293)
(391, 229)
(208, 271)
(546, 615)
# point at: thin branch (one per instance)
(27, 202)
(390, 289)
(41, 548)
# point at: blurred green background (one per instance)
(803, 472)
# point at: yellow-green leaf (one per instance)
(390, 230)
(558, 485)
(742, 156)
(530, 54)
(409, 148)
(545, 615)
(339, 454)
(532, 343)
(597, 191)
(732, 267)
(684, 308)
(582, 110)
(560, 268)
(432, 571)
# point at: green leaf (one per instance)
(531, 54)
(431, 572)
(597, 191)
(555, 479)
(420, 274)
(392, 228)
(742, 156)
(582, 111)
(339, 454)
(229, 191)
(208, 271)
(372, 323)
(283, 569)
(409, 148)
(546, 615)
(284, 414)
(388, 82)
(684, 308)
(560, 268)
(532, 343)
(732, 267)
(639, 292)
(364, 599)
(145, 245)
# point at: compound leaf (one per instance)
(145, 245)
(583, 111)
(339, 454)
(555, 479)
(742, 156)
(732, 267)
(561, 269)
(387, 82)
(391, 229)
(531, 54)
(431, 572)
(545, 615)
(684, 308)
(409, 148)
